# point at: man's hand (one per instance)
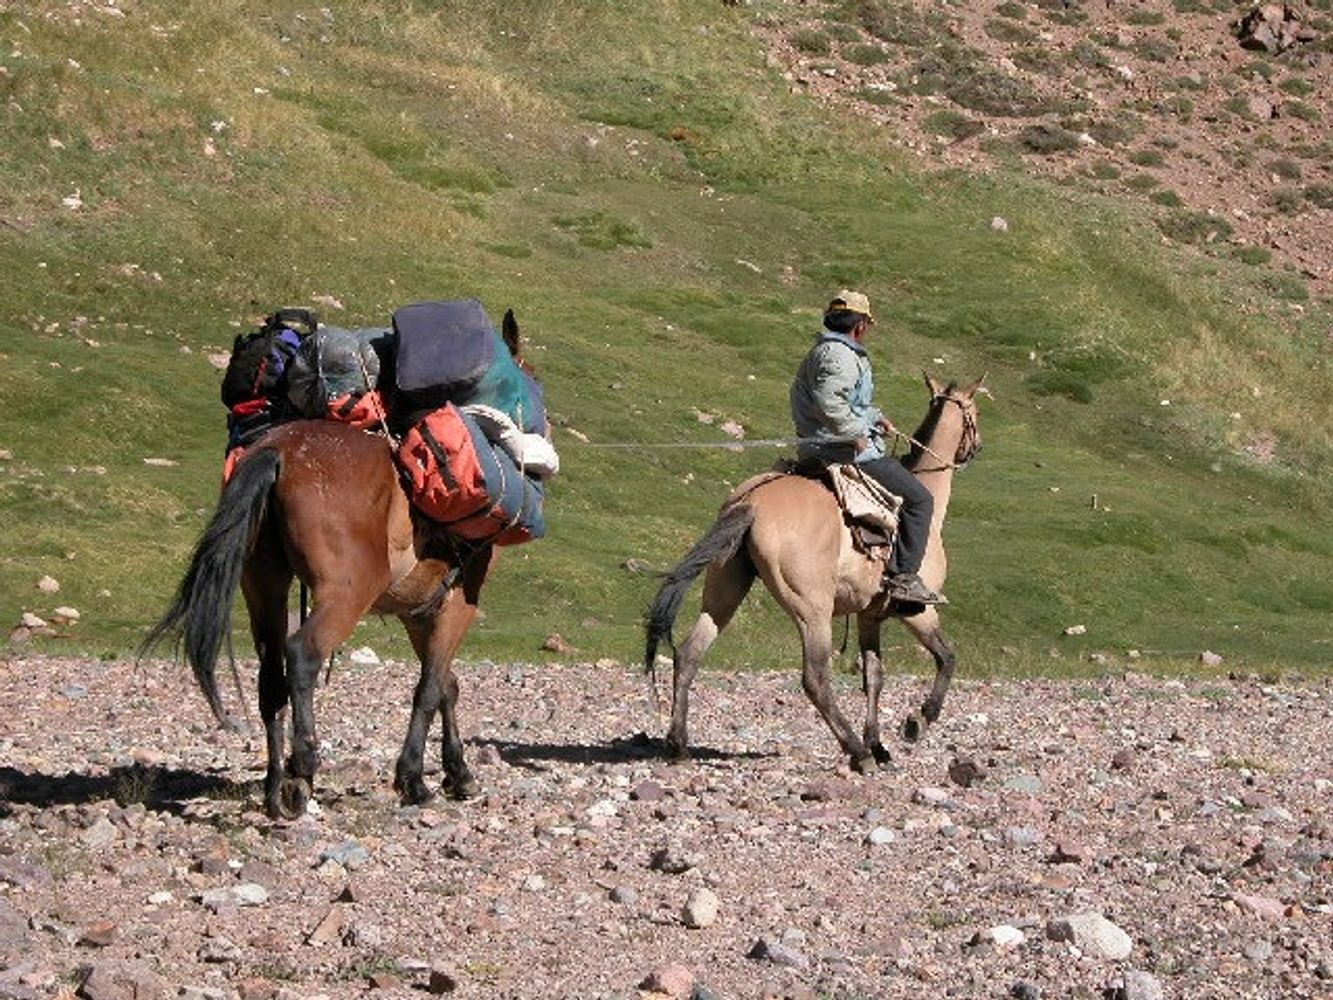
(861, 444)
(886, 425)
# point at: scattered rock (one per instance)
(442, 979)
(329, 929)
(673, 860)
(772, 949)
(1263, 906)
(1136, 985)
(1076, 630)
(364, 656)
(48, 585)
(350, 854)
(1093, 934)
(673, 980)
(555, 643)
(964, 771)
(700, 908)
(1210, 659)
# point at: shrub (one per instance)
(1287, 285)
(1320, 195)
(865, 55)
(1189, 7)
(892, 22)
(1111, 133)
(1167, 197)
(1179, 105)
(1288, 170)
(952, 124)
(842, 32)
(1165, 142)
(812, 43)
(1037, 59)
(1009, 9)
(1147, 158)
(1253, 255)
(1297, 86)
(1194, 227)
(1142, 182)
(1008, 31)
(1048, 139)
(1105, 171)
(1089, 55)
(1142, 17)
(1154, 49)
(1261, 68)
(1239, 106)
(1303, 111)
(1287, 200)
(878, 95)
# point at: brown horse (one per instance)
(788, 531)
(319, 501)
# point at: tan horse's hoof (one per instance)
(865, 765)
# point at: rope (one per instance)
(753, 443)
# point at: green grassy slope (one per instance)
(666, 219)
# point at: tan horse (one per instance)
(790, 533)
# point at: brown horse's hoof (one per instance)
(914, 727)
(881, 753)
(413, 791)
(864, 765)
(468, 788)
(293, 798)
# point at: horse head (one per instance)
(513, 339)
(953, 413)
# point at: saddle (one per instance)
(869, 509)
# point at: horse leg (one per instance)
(265, 592)
(436, 640)
(872, 682)
(725, 587)
(927, 631)
(816, 629)
(336, 612)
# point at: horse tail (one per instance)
(201, 613)
(720, 542)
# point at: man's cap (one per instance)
(849, 301)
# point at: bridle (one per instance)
(968, 444)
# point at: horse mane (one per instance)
(926, 430)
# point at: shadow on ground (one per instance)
(158, 788)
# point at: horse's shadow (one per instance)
(161, 789)
(170, 790)
(635, 749)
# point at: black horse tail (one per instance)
(720, 542)
(201, 612)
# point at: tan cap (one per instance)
(849, 301)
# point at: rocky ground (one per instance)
(1131, 837)
(1215, 115)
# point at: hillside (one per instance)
(666, 216)
(1214, 115)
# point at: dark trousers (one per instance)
(913, 519)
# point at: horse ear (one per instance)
(509, 331)
(978, 387)
(935, 386)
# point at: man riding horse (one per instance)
(837, 421)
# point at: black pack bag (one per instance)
(259, 360)
(444, 349)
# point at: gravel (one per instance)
(135, 858)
